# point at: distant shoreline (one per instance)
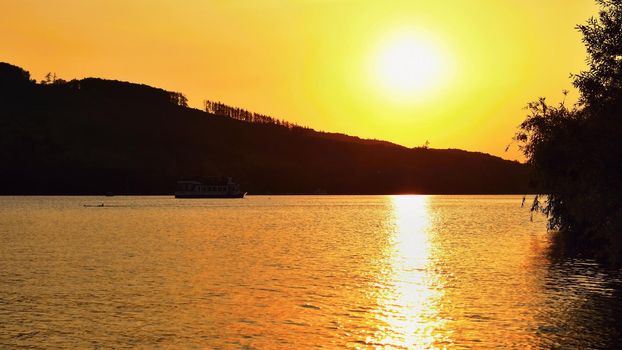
(275, 194)
(94, 136)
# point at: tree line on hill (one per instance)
(219, 108)
(93, 136)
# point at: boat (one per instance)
(209, 187)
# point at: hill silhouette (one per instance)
(93, 136)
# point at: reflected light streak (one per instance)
(409, 305)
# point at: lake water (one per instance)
(294, 272)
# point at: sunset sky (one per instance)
(457, 73)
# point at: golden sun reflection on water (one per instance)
(297, 272)
(409, 304)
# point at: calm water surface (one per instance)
(299, 272)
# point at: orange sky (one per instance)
(343, 66)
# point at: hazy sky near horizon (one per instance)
(456, 73)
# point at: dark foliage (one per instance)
(94, 136)
(244, 115)
(576, 153)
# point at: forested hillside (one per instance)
(93, 136)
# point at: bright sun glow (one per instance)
(407, 66)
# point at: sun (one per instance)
(409, 66)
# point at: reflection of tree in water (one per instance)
(583, 305)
